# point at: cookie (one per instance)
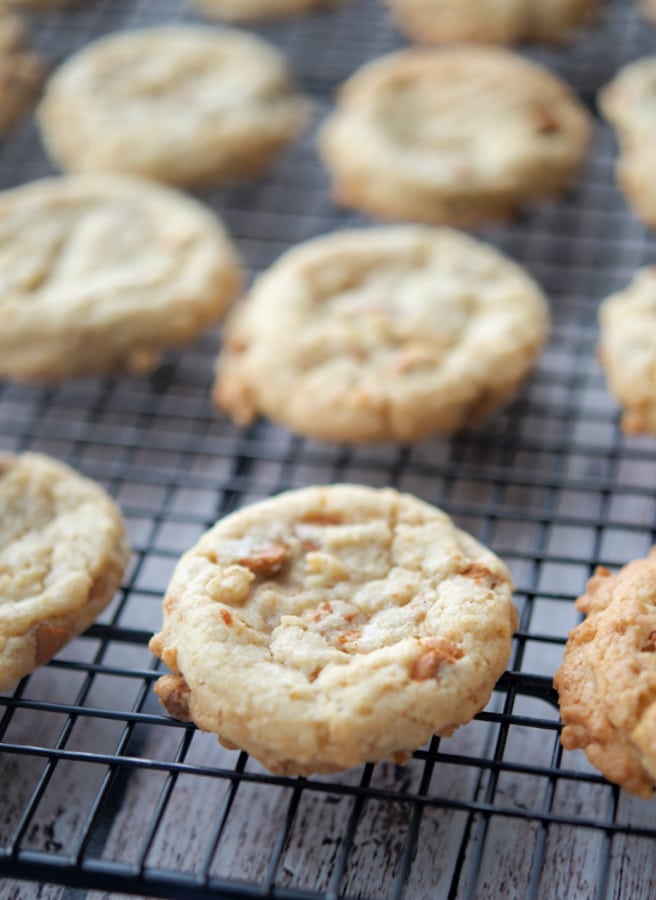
(607, 681)
(102, 272)
(395, 332)
(649, 7)
(21, 73)
(332, 626)
(628, 104)
(452, 136)
(63, 551)
(627, 350)
(182, 104)
(252, 10)
(490, 21)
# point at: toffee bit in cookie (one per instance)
(267, 561)
(231, 586)
(439, 652)
(546, 121)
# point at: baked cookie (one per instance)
(627, 350)
(457, 136)
(332, 626)
(182, 104)
(607, 681)
(490, 21)
(252, 10)
(21, 73)
(102, 272)
(63, 551)
(628, 104)
(394, 332)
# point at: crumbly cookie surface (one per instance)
(182, 104)
(628, 104)
(607, 681)
(21, 73)
(249, 10)
(490, 21)
(101, 272)
(63, 550)
(458, 136)
(330, 626)
(394, 332)
(627, 350)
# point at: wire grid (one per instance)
(102, 791)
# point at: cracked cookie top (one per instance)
(384, 333)
(331, 626)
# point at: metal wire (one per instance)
(102, 791)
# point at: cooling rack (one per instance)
(102, 792)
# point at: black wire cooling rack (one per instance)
(101, 791)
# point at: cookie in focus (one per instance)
(332, 626)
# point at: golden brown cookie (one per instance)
(627, 350)
(490, 21)
(332, 626)
(21, 73)
(607, 681)
(182, 104)
(456, 136)
(628, 104)
(103, 272)
(63, 550)
(388, 333)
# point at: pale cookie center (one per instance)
(396, 321)
(320, 593)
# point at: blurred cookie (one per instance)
(332, 626)
(649, 7)
(182, 104)
(627, 350)
(21, 73)
(490, 21)
(102, 272)
(455, 136)
(63, 550)
(387, 333)
(628, 104)
(248, 10)
(607, 681)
